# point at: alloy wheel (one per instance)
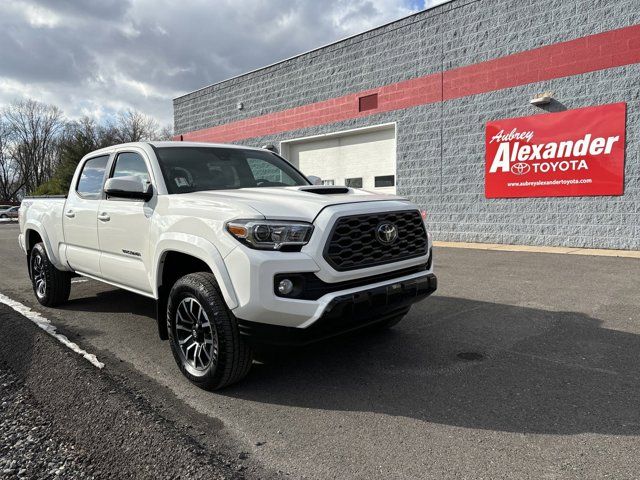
(39, 275)
(196, 336)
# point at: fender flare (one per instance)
(199, 248)
(37, 227)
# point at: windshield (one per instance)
(194, 169)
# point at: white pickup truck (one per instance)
(234, 244)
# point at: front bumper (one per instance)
(252, 274)
(346, 312)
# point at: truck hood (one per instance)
(290, 203)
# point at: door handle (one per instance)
(70, 214)
(104, 217)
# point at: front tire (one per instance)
(50, 285)
(203, 334)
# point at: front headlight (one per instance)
(270, 234)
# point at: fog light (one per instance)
(285, 287)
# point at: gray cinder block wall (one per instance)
(440, 146)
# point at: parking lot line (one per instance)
(46, 325)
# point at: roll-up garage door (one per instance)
(362, 158)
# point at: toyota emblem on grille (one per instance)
(387, 233)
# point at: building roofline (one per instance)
(313, 50)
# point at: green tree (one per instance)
(77, 139)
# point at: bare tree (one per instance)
(166, 133)
(10, 181)
(135, 126)
(34, 132)
(39, 149)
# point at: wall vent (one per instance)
(368, 102)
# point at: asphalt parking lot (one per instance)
(554, 394)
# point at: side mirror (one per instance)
(315, 180)
(128, 187)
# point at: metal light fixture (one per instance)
(542, 99)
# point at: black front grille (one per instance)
(353, 242)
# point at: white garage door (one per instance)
(361, 158)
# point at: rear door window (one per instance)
(92, 177)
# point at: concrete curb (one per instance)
(538, 249)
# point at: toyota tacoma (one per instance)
(234, 244)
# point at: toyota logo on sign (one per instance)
(520, 168)
(387, 233)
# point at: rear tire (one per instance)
(203, 334)
(50, 285)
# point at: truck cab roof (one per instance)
(164, 144)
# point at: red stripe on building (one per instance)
(595, 52)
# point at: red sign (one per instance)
(566, 154)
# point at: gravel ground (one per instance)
(63, 418)
(30, 446)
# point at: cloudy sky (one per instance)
(96, 57)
